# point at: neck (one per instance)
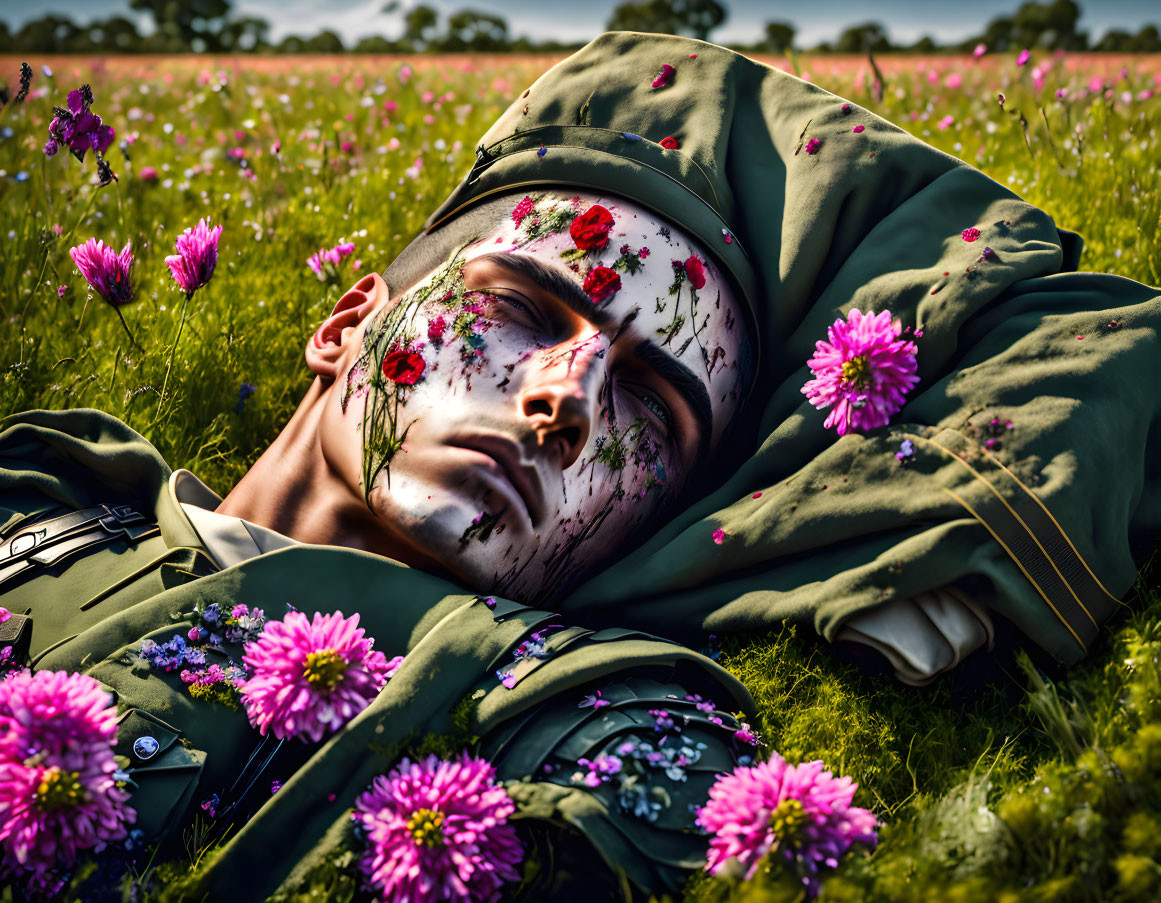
(293, 489)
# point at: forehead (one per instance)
(621, 262)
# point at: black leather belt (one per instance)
(50, 541)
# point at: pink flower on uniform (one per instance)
(800, 811)
(58, 796)
(664, 76)
(859, 129)
(309, 678)
(862, 373)
(813, 145)
(971, 233)
(197, 255)
(105, 269)
(438, 830)
(5, 614)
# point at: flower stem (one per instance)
(121, 317)
(173, 350)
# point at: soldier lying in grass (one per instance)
(577, 420)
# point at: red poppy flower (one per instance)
(670, 143)
(404, 367)
(601, 283)
(591, 229)
(695, 270)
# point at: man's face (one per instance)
(524, 411)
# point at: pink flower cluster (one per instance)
(800, 811)
(330, 258)
(438, 830)
(863, 373)
(58, 794)
(310, 677)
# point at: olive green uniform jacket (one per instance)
(97, 583)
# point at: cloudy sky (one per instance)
(816, 20)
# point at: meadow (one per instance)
(1009, 781)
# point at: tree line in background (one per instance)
(207, 26)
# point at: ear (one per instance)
(331, 341)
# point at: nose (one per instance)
(559, 401)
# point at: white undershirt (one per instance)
(228, 540)
(921, 637)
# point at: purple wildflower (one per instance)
(799, 810)
(80, 130)
(197, 255)
(593, 701)
(325, 261)
(597, 771)
(703, 705)
(309, 678)
(862, 373)
(1023, 58)
(662, 720)
(105, 269)
(58, 794)
(438, 830)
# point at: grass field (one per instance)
(1014, 789)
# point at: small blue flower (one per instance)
(244, 391)
(21, 176)
(630, 137)
(543, 150)
(906, 451)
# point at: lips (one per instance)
(515, 469)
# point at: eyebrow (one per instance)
(551, 281)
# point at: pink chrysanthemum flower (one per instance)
(801, 811)
(863, 373)
(438, 831)
(58, 796)
(197, 255)
(105, 269)
(309, 678)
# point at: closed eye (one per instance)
(514, 303)
(654, 405)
